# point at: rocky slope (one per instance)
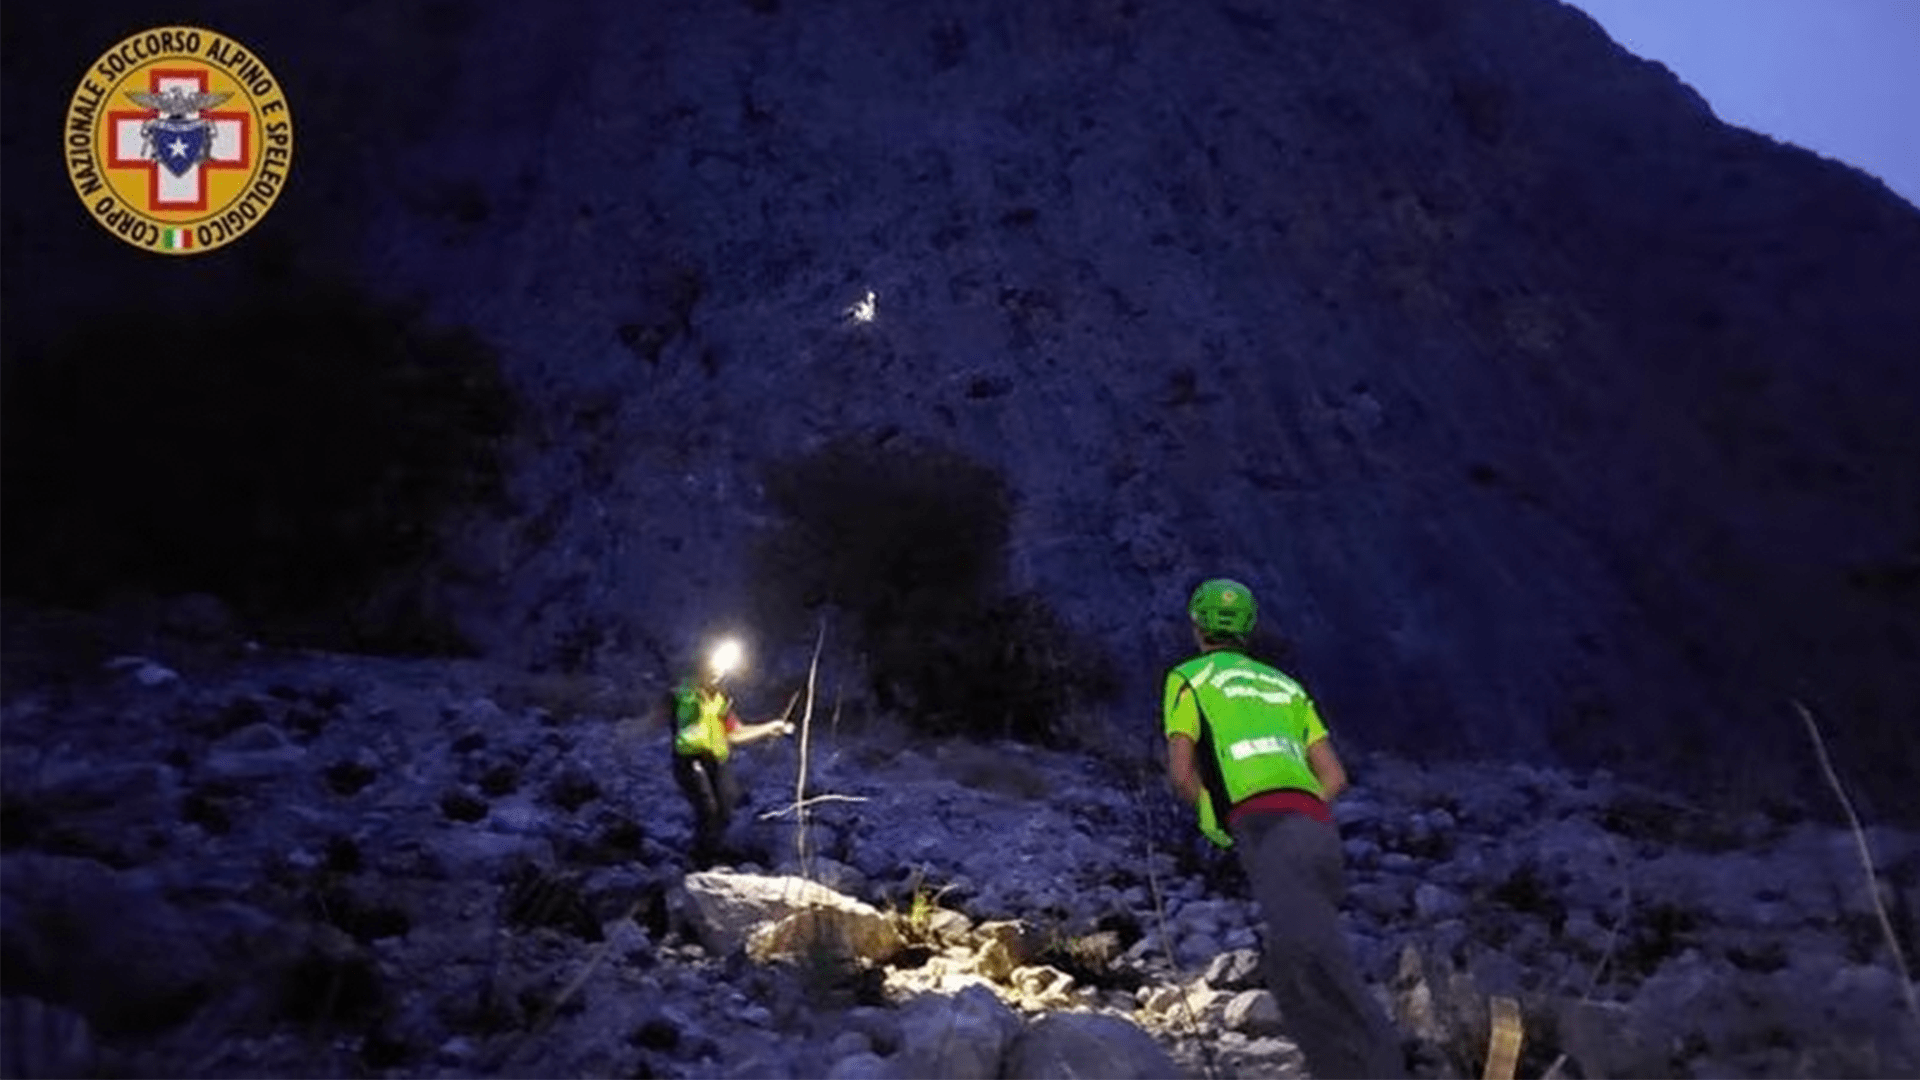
(245, 863)
(1552, 417)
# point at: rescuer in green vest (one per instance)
(705, 731)
(1246, 747)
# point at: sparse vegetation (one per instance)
(922, 903)
(910, 539)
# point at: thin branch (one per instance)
(788, 711)
(806, 740)
(1866, 858)
(806, 803)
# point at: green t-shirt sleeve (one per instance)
(1179, 711)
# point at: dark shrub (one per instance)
(286, 453)
(910, 540)
(895, 533)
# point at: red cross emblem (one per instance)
(215, 139)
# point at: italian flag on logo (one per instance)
(176, 239)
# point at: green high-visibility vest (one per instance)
(1251, 725)
(700, 721)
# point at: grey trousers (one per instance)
(1298, 874)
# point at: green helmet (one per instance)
(1223, 606)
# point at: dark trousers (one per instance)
(709, 786)
(1298, 874)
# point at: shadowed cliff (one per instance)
(1548, 416)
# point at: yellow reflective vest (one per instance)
(1251, 725)
(700, 721)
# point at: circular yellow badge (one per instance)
(178, 140)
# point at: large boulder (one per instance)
(770, 916)
(1253, 1012)
(1060, 1046)
(964, 1036)
(845, 928)
(1235, 969)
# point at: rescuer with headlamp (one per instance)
(705, 729)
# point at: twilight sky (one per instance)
(1839, 77)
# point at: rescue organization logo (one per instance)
(178, 140)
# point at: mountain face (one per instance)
(1547, 416)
